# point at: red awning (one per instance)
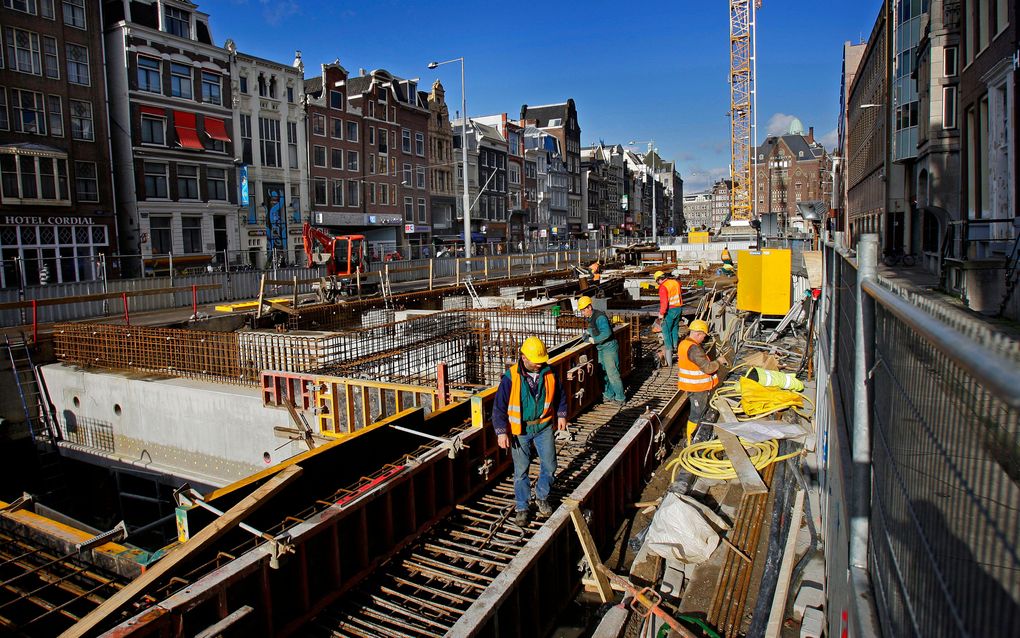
(187, 134)
(215, 129)
(153, 110)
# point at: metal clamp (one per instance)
(115, 535)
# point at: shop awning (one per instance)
(215, 129)
(153, 110)
(187, 133)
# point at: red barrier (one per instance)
(127, 317)
(35, 322)
(194, 300)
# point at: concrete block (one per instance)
(813, 625)
(808, 596)
(673, 580)
(611, 625)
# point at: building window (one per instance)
(292, 154)
(269, 132)
(187, 181)
(86, 182)
(384, 194)
(353, 192)
(407, 174)
(405, 141)
(149, 78)
(153, 130)
(155, 181)
(24, 6)
(371, 163)
(246, 145)
(177, 22)
(290, 94)
(74, 13)
(319, 191)
(352, 131)
(51, 64)
(211, 88)
(33, 178)
(421, 210)
(383, 146)
(81, 121)
(78, 64)
(949, 107)
(371, 193)
(28, 112)
(419, 144)
(336, 159)
(338, 192)
(180, 81)
(420, 177)
(191, 233)
(160, 235)
(23, 51)
(46, 9)
(950, 61)
(338, 129)
(336, 100)
(352, 161)
(371, 136)
(318, 124)
(409, 209)
(56, 115)
(216, 183)
(319, 156)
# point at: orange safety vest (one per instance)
(596, 273)
(674, 289)
(513, 407)
(690, 377)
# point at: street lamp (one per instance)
(463, 148)
(655, 229)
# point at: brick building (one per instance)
(173, 156)
(443, 184)
(790, 169)
(57, 204)
(560, 121)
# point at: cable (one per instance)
(708, 459)
(748, 410)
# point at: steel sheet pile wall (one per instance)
(943, 459)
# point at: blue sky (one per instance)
(637, 71)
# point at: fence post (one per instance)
(127, 316)
(864, 335)
(172, 271)
(35, 322)
(20, 266)
(432, 263)
(194, 301)
(485, 260)
(456, 274)
(532, 271)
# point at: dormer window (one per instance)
(177, 22)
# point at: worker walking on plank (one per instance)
(670, 304)
(600, 332)
(529, 398)
(696, 374)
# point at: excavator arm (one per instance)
(311, 236)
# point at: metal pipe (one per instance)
(860, 490)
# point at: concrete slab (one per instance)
(813, 625)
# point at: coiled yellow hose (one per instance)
(708, 459)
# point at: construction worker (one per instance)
(696, 374)
(529, 398)
(596, 271)
(600, 331)
(670, 304)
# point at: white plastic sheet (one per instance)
(758, 431)
(684, 529)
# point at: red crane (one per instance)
(343, 255)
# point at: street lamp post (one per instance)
(463, 148)
(655, 230)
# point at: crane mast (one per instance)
(742, 98)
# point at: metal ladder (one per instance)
(39, 415)
(1012, 263)
(470, 286)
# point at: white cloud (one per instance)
(779, 124)
(699, 179)
(276, 11)
(829, 140)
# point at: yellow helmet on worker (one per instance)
(534, 350)
(583, 302)
(658, 275)
(699, 326)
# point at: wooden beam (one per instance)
(735, 452)
(175, 557)
(591, 552)
(100, 296)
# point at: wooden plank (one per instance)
(591, 552)
(735, 452)
(775, 623)
(199, 541)
(100, 296)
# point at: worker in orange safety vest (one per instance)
(696, 374)
(670, 306)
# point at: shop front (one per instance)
(46, 249)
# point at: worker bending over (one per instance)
(529, 398)
(696, 374)
(670, 304)
(600, 332)
(596, 270)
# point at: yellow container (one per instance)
(697, 237)
(764, 282)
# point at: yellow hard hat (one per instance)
(699, 326)
(583, 302)
(658, 275)
(534, 350)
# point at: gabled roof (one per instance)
(543, 114)
(797, 144)
(313, 85)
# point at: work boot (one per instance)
(521, 518)
(692, 427)
(544, 508)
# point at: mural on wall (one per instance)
(276, 222)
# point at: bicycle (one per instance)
(898, 258)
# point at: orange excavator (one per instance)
(343, 256)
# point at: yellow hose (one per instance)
(708, 459)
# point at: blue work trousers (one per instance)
(520, 450)
(609, 361)
(671, 334)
